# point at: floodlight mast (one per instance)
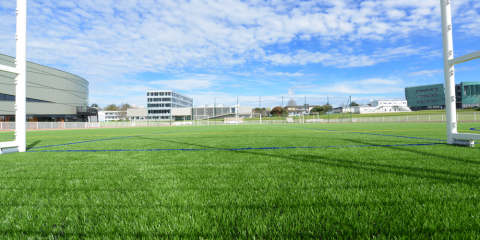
(20, 70)
(449, 73)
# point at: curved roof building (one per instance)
(52, 95)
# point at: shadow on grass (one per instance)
(31, 145)
(442, 175)
(430, 154)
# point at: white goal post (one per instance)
(453, 137)
(20, 69)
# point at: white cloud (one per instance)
(297, 74)
(426, 72)
(369, 86)
(123, 37)
(338, 59)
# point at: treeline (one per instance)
(114, 107)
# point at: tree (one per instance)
(123, 110)
(327, 106)
(318, 109)
(94, 105)
(354, 104)
(111, 107)
(279, 111)
(124, 106)
(291, 102)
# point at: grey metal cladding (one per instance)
(63, 90)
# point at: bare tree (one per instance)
(123, 110)
(291, 102)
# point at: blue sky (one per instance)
(228, 49)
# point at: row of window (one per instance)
(150, 105)
(159, 93)
(429, 95)
(182, 102)
(471, 90)
(427, 90)
(170, 94)
(428, 101)
(6, 97)
(159, 117)
(182, 97)
(159, 111)
(159, 99)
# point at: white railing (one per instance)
(462, 117)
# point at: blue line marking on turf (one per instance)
(98, 140)
(374, 134)
(239, 149)
(475, 129)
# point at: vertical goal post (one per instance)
(453, 137)
(20, 69)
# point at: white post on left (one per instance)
(449, 70)
(21, 79)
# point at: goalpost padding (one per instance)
(20, 70)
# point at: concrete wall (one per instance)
(245, 110)
(137, 112)
(181, 111)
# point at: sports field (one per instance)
(248, 181)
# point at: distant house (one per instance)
(384, 106)
(300, 109)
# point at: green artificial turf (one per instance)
(365, 180)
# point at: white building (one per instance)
(299, 109)
(137, 114)
(384, 106)
(160, 103)
(211, 112)
(107, 116)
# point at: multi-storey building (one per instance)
(425, 97)
(467, 94)
(161, 102)
(52, 95)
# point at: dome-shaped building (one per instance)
(52, 95)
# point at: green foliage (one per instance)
(94, 105)
(353, 104)
(382, 190)
(124, 106)
(318, 109)
(279, 111)
(111, 107)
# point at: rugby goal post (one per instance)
(453, 137)
(20, 69)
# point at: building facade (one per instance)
(384, 106)
(300, 109)
(467, 94)
(160, 103)
(52, 95)
(426, 97)
(212, 112)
